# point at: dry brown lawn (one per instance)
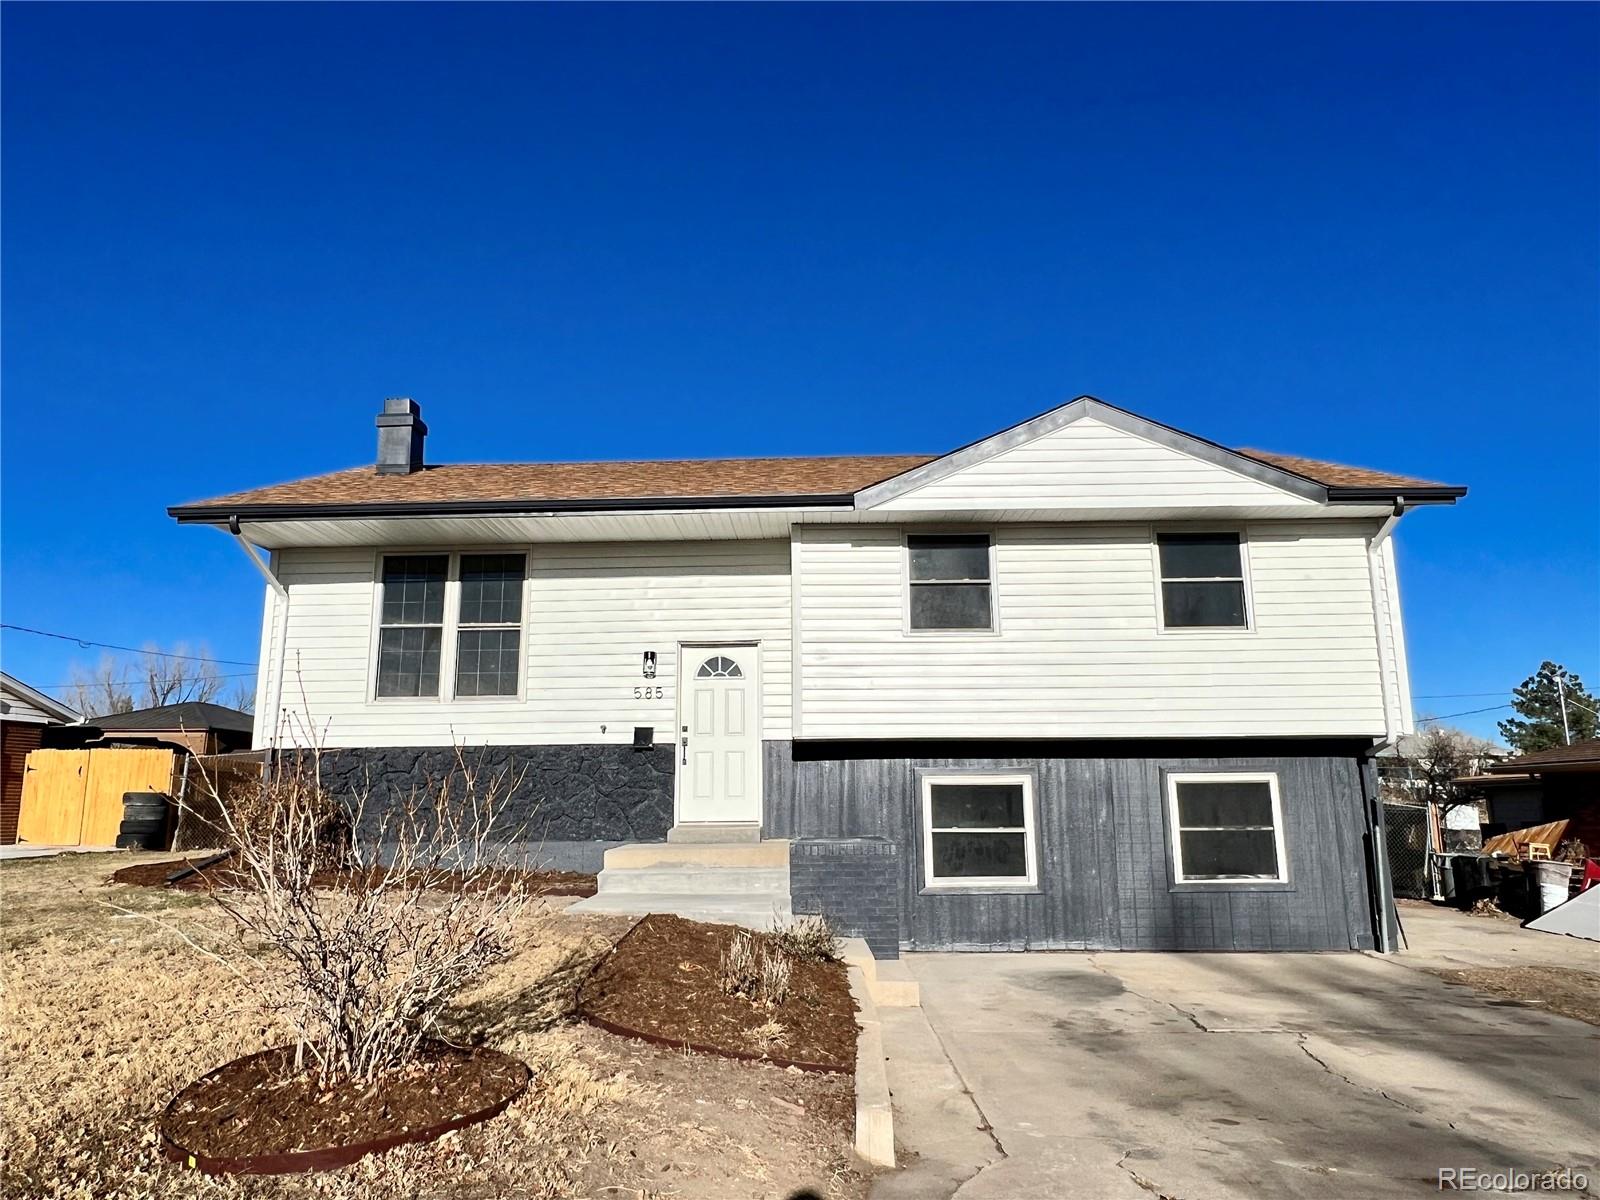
(107, 1013)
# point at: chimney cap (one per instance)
(401, 404)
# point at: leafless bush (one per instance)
(759, 974)
(741, 976)
(363, 925)
(808, 939)
(775, 972)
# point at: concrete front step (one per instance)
(723, 834)
(643, 855)
(764, 912)
(726, 881)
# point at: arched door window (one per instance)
(719, 667)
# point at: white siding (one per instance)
(1090, 465)
(592, 612)
(18, 709)
(1079, 653)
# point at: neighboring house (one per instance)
(1088, 682)
(1456, 827)
(24, 714)
(195, 726)
(1567, 780)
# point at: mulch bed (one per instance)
(257, 1115)
(225, 875)
(660, 982)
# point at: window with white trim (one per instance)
(950, 581)
(1202, 581)
(978, 830)
(1226, 828)
(411, 624)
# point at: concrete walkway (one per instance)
(1200, 1076)
(29, 850)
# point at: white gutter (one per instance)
(1393, 723)
(273, 693)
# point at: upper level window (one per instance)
(411, 624)
(1202, 581)
(450, 616)
(950, 581)
(489, 633)
(978, 830)
(1226, 828)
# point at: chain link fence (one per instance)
(1408, 836)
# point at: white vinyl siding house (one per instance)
(1089, 682)
(1080, 652)
(591, 610)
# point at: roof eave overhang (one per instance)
(215, 514)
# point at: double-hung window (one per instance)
(950, 581)
(449, 617)
(489, 628)
(978, 831)
(1202, 581)
(1226, 828)
(411, 624)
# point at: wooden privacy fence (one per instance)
(74, 797)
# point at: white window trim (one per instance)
(1270, 778)
(1162, 627)
(906, 534)
(452, 624)
(1029, 831)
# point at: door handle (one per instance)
(686, 751)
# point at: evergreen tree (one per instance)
(1538, 702)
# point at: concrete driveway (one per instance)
(1193, 1076)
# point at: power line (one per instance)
(1468, 713)
(89, 683)
(86, 643)
(1458, 695)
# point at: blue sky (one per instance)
(1362, 233)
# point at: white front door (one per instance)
(719, 734)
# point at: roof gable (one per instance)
(19, 702)
(1088, 454)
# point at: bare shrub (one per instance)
(808, 939)
(758, 973)
(740, 974)
(770, 1035)
(363, 925)
(775, 973)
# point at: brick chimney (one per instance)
(400, 434)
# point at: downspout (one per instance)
(273, 693)
(1386, 918)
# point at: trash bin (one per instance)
(1551, 883)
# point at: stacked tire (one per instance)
(144, 821)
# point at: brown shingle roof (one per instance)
(587, 481)
(1337, 474)
(1579, 754)
(680, 479)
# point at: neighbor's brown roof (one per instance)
(1579, 754)
(714, 477)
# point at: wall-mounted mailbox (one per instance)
(644, 736)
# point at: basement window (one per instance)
(1226, 828)
(1202, 581)
(411, 624)
(978, 831)
(950, 576)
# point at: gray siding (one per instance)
(1104, 873)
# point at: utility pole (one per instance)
(1561, 695)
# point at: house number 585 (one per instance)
(649, 693)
